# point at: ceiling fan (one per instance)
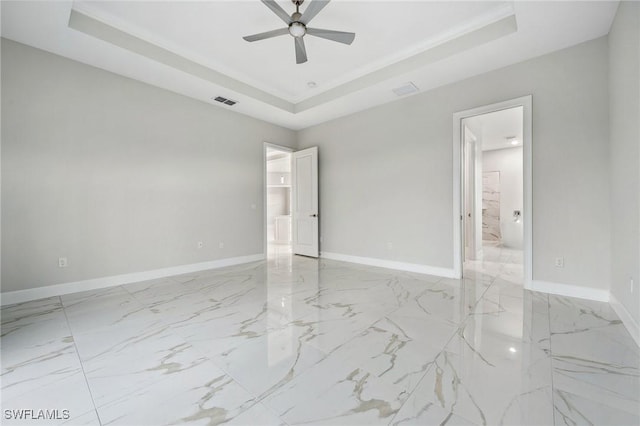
(297, 26)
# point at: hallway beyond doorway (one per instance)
(278, 200)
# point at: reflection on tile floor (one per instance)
(295, 340)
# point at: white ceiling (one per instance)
(498, 129)
(195, 47)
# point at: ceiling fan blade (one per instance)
(268, 34)
(339, 36)
(275, 8)
(312, 10)
(301, 51)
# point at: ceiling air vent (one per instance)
(405, 89)
(225, 101)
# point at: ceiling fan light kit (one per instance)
(297, 27)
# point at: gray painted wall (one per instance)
(122, 177)
(624, 86)
(386, 173)
(119, 176)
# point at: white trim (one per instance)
(571, 290)
(526, 103)
(19, 296)
(300, 216)
(629, 322)
(391, 264)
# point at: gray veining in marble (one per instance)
(491, 206)
(294, 340)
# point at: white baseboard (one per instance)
(19, 296)
(390, 264)
(629, 322)
(596, 294)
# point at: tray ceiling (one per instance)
(195, 48)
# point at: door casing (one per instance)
(458, 140)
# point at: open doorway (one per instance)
(492, 191)
(278, 201)
(493, 199)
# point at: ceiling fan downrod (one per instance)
(297, 28)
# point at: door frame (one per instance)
(526, 103)
(474, 226)
(266, 145)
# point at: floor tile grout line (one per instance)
(189, 343)
(429, 369)
(461, 324)
(553, 404)
(84, 374)
(256, 398)
(460, 327)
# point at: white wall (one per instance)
(509, 163)
(386, 173)
(624, 87)
(119, 176)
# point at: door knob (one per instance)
(313, 215)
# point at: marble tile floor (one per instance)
(294, 340)
(499, 261)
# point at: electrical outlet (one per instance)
(253, 206)
(221, 245)
(200, 244)
(631, 284)
(390, 246)
(62, 262)
(559, 262)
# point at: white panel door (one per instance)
(305, 202)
